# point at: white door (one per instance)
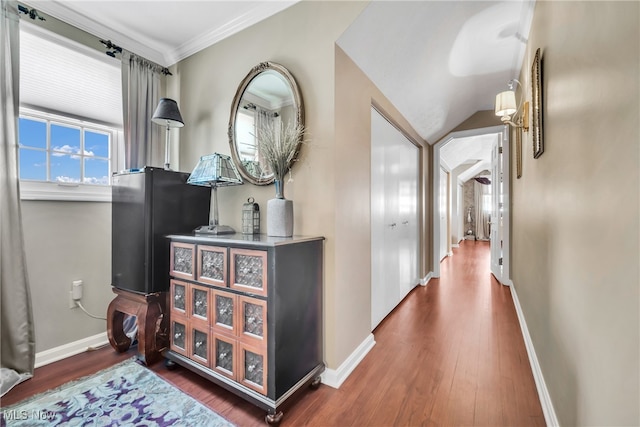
(394, 217)
(499, 205)
(408, 217)
(444, 205)
(460, 234)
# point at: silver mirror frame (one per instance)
(235, 105)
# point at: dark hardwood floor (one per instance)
(450, 354)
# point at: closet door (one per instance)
(408, 217)
(383, 265)
(394, 217)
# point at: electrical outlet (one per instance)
(76, 290)
(75, 294)
(72, 302)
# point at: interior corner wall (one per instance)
(67, 241)
(301, 38)
(576, 234)
(355, 95)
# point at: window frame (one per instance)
(68, 191)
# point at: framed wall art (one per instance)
(536, 105)
(518, 154)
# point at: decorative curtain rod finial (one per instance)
(33, 14)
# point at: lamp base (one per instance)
(214, 229)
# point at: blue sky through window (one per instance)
(65, 153)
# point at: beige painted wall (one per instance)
(331, 182)
(576, 212)
(355, 94)
(66, 241)
(302, 38)
(479, 119)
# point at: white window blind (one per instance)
(65, 77)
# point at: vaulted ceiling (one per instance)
(438, 62)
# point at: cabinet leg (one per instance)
(170, 364)
(117, 338)
(274, 419)
(315, 383)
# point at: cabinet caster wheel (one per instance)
(274, 419)
(170, 364)
(315, 383)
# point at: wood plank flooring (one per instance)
(451, 354)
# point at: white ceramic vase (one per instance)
(279, 214)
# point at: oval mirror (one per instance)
(268, 93)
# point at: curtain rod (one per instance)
(112, 48)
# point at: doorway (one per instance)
(498, 163)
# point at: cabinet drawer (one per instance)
(249, 271)
(199, 308)
(179, 296)
(252, 320)
(224, 350)
(212, 265)
(224, 307)
(199, 345)
(252, 369)
(179, 339)
(182, 260)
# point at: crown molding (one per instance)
(163, 55)
(255, 15)
(66, 14)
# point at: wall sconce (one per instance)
(506, 108)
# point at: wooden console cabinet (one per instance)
(246, 313)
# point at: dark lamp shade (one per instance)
(168, 114)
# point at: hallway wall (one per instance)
(576, 211)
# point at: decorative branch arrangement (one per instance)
(278, 146)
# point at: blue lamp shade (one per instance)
(215, 170)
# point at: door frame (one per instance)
(502, 130)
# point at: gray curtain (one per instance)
(143, 143)
(17, 354)
(482, 215)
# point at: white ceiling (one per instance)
(164, 31)
(438, 62)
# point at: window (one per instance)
(64, 151)
(70, 125)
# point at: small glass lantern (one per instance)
(250, 217)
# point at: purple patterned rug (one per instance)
(126, 394)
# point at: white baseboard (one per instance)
(543, 393)
(335, 378)
(70, 349)
(425, 280)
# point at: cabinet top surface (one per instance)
(242, 239)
